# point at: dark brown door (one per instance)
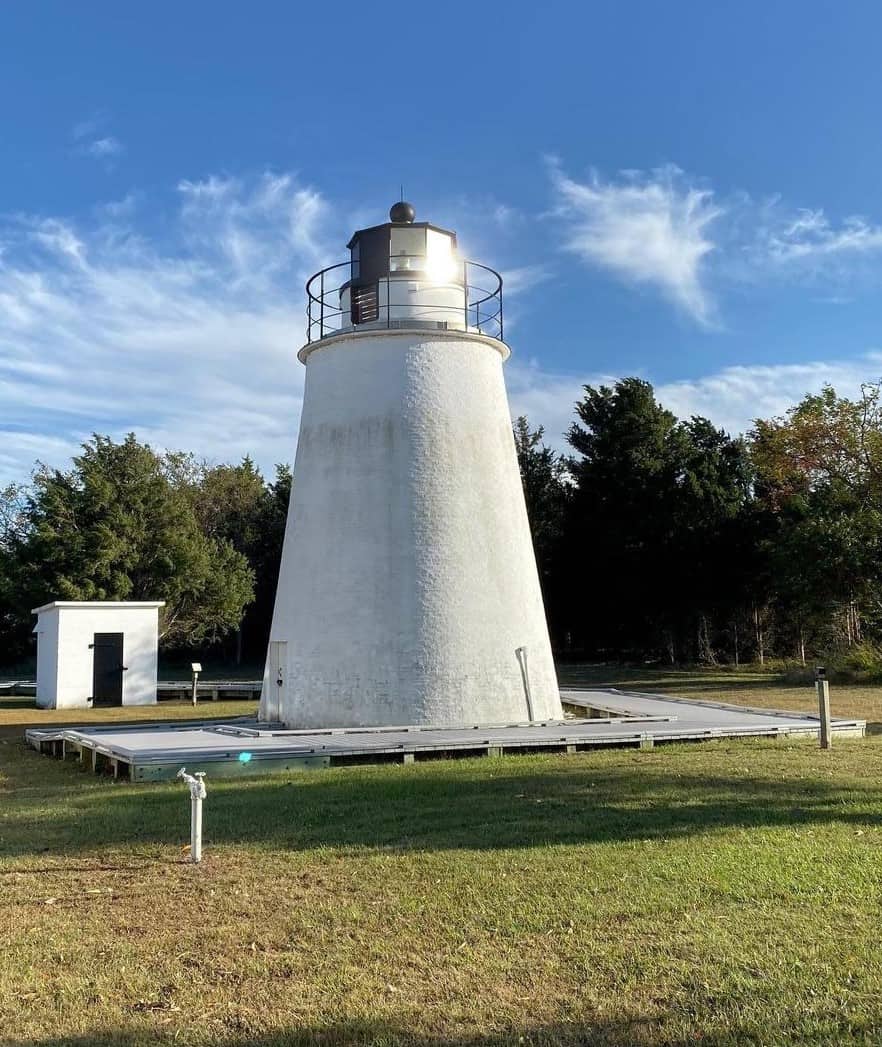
(107, 669)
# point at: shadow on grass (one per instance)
(446, 805)
(813, 1029)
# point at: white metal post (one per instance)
(197, 795)
(196, 829)
(823, 688)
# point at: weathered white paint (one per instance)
(408, 579)
(65, 629)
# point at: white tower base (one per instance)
(408, 590)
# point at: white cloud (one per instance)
(523, 279)
(650, 229)
(734, 397)
(731, 398)
(91, 142)
(810, 235)
(670, 231)
(547, 399)
(191, 345)
(104, 147)
(191, 340)
(89, 127)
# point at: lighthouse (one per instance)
(408, 592)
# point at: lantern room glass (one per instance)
(407, 249)
(429, 252)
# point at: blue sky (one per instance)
(689, 192)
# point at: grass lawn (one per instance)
(17, 713)
(721, 893)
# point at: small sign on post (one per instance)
(823, 688)
(197, 669)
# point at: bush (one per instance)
(861, 663)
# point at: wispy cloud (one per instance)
(190, 339)
(732, 398)
(809, 235)
(104, 147)
(190, 343)
(91, 139)
(90, 126)
(735, 396)
(645, 228)
(522, 279)
(673, 232)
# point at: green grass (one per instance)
(722, 893)
(17, 713)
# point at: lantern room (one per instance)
(403, 246)
(404, 274)
(409, 269)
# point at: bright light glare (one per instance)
(440, 259)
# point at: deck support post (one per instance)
(822, 686)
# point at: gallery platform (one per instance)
(156, 751)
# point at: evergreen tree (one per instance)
(654, 508)
(543, 475)
(266, 558)
(115, 528)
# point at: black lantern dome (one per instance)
(402, 212)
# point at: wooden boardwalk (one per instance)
(154, 752)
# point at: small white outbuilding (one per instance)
(97, 653)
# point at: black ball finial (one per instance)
(402, 212)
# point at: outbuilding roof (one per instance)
(118, 605)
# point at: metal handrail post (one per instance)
(465, 292)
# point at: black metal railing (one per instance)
(461, 301)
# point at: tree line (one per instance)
(667, 539)
(128, 523)
(657, 538)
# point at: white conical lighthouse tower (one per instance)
(408, 590)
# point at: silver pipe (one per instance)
(521, 655)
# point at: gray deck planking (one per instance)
(149, 751)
